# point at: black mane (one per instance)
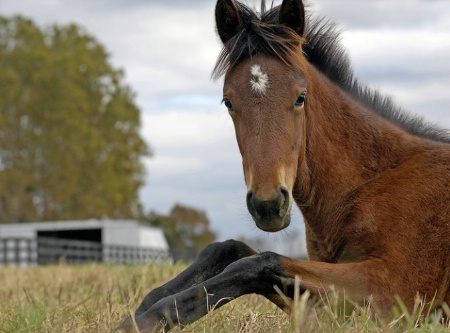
(322, 48)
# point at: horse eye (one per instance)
(301, 99)
(227, 103)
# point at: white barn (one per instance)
(123, 241)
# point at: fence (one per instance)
(43, 251)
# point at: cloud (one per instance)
(384, 14)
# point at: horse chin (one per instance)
(274, 225)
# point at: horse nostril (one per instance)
(252, 204)
(284, 201)
(249, 197)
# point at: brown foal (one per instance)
(373, 183)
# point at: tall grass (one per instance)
(96, 298)
(89, 298)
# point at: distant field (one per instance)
(95, 298)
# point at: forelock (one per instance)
(261, 34)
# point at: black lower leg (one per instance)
(209, 263)
(256, 274)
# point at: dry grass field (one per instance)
(95, 298)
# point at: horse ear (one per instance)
(228, 20)
(292, 15)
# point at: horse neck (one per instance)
(346, 146)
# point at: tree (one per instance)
(185, 228)
(70, 146)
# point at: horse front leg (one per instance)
(211, 261)
(252, 274)
(258, 274)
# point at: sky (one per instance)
(168, 50)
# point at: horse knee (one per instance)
(230, 250)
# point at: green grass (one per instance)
(96, 298)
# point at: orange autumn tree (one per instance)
(186, 228)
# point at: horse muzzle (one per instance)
(273, 214)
